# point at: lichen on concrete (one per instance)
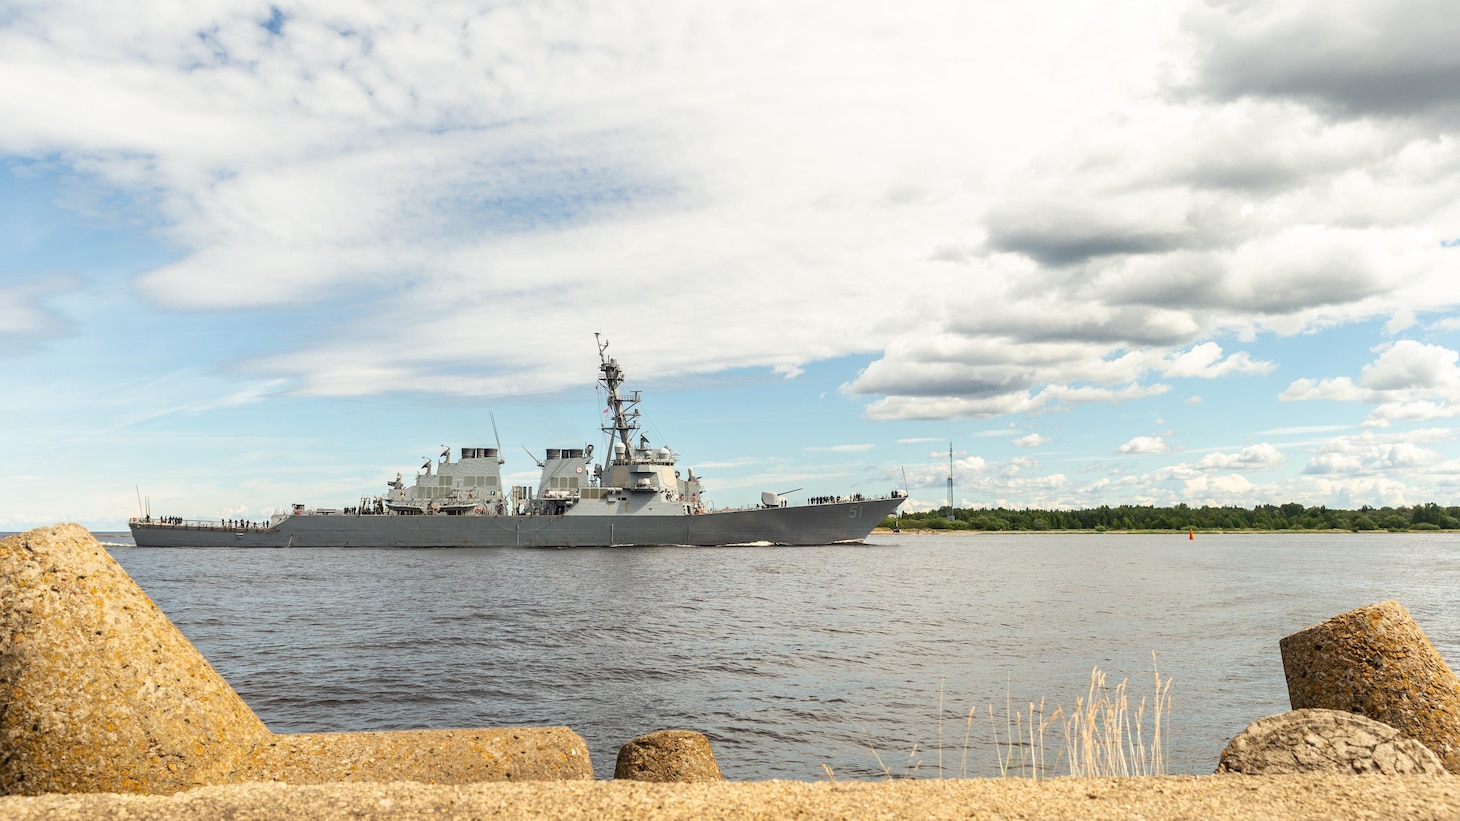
(1326, 741)
(100, 692)
(1377, 662)
(680, 756)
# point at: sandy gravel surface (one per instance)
(1174, 797)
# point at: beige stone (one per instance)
(1311, 797)
(1308, 741)
(100, 692)
(1375, 661)
(668, 755)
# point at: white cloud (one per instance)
(946, 407)
(1205, 361)
(1341, 389)
(1408, 381)
(1032, 440)
(1082, 394)
(536, 164)
(26, 314)
(1304, 429)
(935, 474)
(1144, 445)
(1227, 486)
(1300, 51)
(1369, 453)
(789, 370)
(1261, 456)
(1411, 365)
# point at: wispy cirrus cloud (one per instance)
(27, 312)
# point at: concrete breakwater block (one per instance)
(1375, 661)
(668, 756)
(1326, 741)
(100, 692)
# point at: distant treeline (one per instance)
(1290, 516)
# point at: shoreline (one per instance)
(1235, 797)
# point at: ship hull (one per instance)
(801, 525)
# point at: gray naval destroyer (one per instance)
(636, 496)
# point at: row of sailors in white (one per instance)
(239, 524)
(831, 500)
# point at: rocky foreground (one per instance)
(1309, 796)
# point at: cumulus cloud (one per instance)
(1411, 365)
(1380, 57)
(1260, 203)
(1228, 486)
(1205, 361)
(1032, 440)
(1360, 455)
(1058, 233)
(1409, 380)
(891, 408)
(1261, 456)
(1144, 445)
(934, 474)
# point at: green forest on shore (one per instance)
(1290, 516)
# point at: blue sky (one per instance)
(1151, 252)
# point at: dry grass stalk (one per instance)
(1102, 739)
(880, 765)
(940, 726)
(967, 731)
(1029, 742)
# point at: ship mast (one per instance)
(624, 421)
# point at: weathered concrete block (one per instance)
(1375, 661)
(99, 692)
(1319, 741)
(668, 755)
(430, 756)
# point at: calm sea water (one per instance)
(787, 658)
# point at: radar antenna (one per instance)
(624, 416)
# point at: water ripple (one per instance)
(787, 659)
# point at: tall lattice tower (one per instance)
(950, 480)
